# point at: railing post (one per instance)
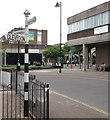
(47, 101)
(16, 80)
(40, 84)
(44, 92)
(11, 79)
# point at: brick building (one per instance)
(37, 44)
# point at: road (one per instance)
(89, 88)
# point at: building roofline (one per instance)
(86, 13)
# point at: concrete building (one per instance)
(37, 44)
(91, 29)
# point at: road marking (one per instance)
(82, 103)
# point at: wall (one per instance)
(84, 33)
(44, 37)
(102, 54)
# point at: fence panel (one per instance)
(38, 99)
(12, 103)
(13, 96)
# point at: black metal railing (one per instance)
(13, 97)
(39, 99)
(12, 103)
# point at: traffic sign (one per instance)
(31, 21)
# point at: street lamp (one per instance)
(60, 5)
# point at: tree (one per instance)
(66, 48)
(54, 52)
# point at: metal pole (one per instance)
(18, 63)
(26, 70)
(47, 101)
(60, 5)
(16, 80)
(60, 33)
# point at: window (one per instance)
(39, 38)
(90, 22)
(105, 17)
(85, 23)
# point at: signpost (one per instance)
(15, 37)
(23, 35)
(26, 62)
(31, 21)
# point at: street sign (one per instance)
(19, 32)
(31, 21)
(13, 37)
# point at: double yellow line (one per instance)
(82, 103)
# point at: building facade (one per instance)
(37, 44)
(91, 29)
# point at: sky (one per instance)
(48, 16)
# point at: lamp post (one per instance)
(26, 69)
(60, 5)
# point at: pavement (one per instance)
(64, 107)
(0, 103)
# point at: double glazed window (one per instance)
(90, 22)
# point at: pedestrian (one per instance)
(75, 61)
(67, 63)
(43, 63)
(103, 67)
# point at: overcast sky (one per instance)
(48, 17)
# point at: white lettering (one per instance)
(15, 37)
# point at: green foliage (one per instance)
(54, 52)
(66, 48)
(77, 49)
